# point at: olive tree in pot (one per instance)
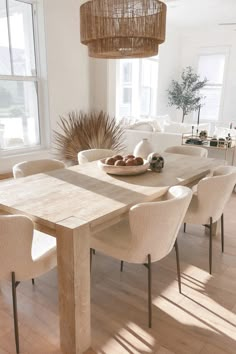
(186, 94)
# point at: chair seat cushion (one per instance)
(114, 241)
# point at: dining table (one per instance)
(73, 203)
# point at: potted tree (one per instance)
(185, 94)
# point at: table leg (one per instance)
(73, 244)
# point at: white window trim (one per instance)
(225, 50)
(42, 87)
(136, 91)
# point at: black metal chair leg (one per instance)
(185, 227)
(222, 234)
(14, 301)
(210, 247)
(91, 258)
(33, 281)
(149, 292)
(94, 252)
(121, 266)
(178, 265)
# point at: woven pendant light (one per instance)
(122, 28)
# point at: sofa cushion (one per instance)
(183, 128)
(147, 125)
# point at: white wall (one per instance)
(67, 59)
(169, 64)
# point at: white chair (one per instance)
(28, 168)
(149, 234)
(188, 150)
(85, 156)
(24, 255)
(209, 201)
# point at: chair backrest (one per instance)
(188, 150)
(214, 192)
(16, 235)
(155, 225)
(28, 168)
(85, 156)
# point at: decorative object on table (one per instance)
(120, 28)
(203, 135)
(156, 162)
(80, 131)
(229, 140)
(194, 141)
(143, 148)
(214, 141)
(186, 95)
(126, 166)
(221, 142)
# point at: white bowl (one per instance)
(123, 170)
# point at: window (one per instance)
(137, 87)
(212, 66)
(19, 117)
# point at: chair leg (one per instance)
(149, 292)
(33, 281)
(210, 247)
(121, 266)
(94, 252)
(178, 265)
(14, 300)
(222, 234)
(91, 258)
(185, 227)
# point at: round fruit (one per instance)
(117, 157)
(131, 162)
(120, 163)
(129, 157)
(110, 161)
(139, 160)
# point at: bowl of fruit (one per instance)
(123, 165)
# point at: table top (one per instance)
(89, 194)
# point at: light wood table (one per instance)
(75, 202)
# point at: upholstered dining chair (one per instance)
(188, 150)
(148, 235)
(24, 255)
(27, 168)
(90, 155)
(209, 201)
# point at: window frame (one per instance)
(136, 86)
(40, 84)
(216, 51)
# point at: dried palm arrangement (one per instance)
(81, 131)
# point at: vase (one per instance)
(143, 149)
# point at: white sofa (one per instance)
(161, 133)
(159, 141)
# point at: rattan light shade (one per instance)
(122, 28)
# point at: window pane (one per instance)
(18, 114)
(22, 38)
(210, 110)
(127, 95)
(146, 73)
(145, 101)
(5, 66)
(212, 67)
(126, 72)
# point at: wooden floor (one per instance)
(201, 320)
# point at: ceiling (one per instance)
(201, 13)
